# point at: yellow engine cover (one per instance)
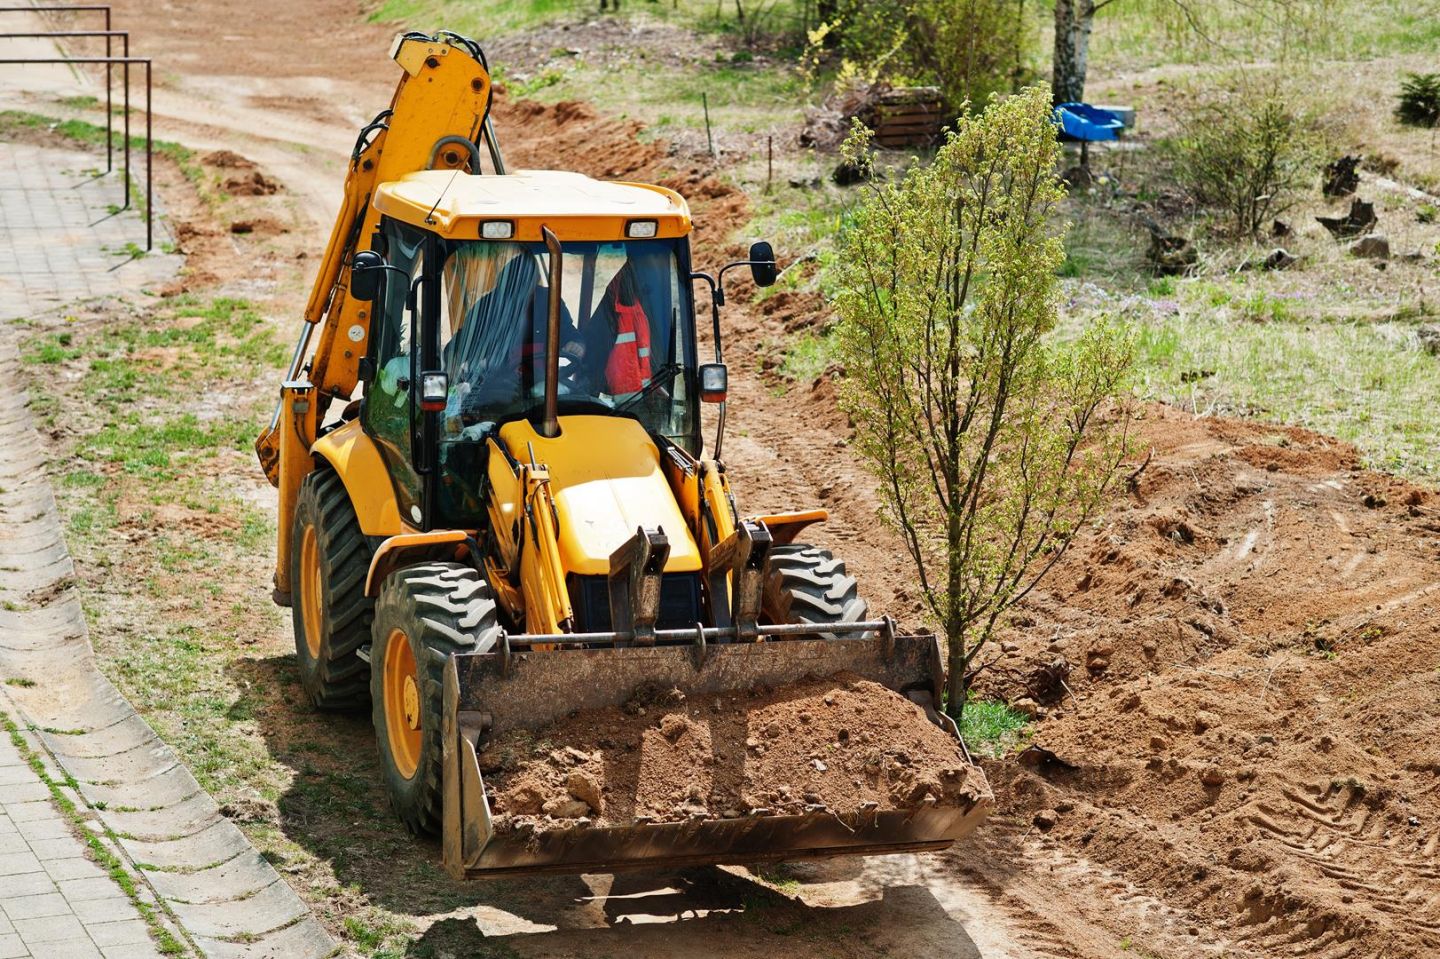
(606, 481)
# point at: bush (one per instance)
(1245, 153)
(1419, 100)
(967, 48)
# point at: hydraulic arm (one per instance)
(439, 113)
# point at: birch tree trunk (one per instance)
(1073, 21)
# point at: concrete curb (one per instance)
(229, 901)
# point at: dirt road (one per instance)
(1234, 766)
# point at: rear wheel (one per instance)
(809, 585)
(328, 561)
(425, 614)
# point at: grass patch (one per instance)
(1154, 33)
(990, 728)
(807, 356)
(496, 18)
(1366, 382)
(501, 17)
(631, 80)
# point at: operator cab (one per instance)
(462, 278)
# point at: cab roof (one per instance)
(573, 205)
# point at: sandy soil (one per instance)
(841, 743)
(1240, 762)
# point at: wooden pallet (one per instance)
(909, 117)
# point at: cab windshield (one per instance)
(622, 344)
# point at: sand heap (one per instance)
(845, 744)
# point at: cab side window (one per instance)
(387, 403)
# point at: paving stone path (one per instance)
(220, 896)
(54, 901)
(60, 239)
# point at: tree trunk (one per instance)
(956, 689)
(957, 671)
(1073, 21)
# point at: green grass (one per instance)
(494, 18)
(499, 17)
(807, 355)
(1366, 382)
(743, 98)
(1154, 33)
(1102, 247)
(990, 728)
(378, 937)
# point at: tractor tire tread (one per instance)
(445, 608)
(807, 584)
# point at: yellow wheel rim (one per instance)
(310, 590)
(402, 703)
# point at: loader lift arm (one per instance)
(439, 114)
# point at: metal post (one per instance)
(109, 97)
(149, 166)
(550, 426)
(709, 137)
(125, 80)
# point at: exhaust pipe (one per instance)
(550, 426)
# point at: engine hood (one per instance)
(606, 481)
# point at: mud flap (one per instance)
(492, 693)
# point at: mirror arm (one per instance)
(717, 300)
(739, 263)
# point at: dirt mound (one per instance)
(252, 183)
(259, 227)
(1253, 737)
(845, 744)
(227, 160)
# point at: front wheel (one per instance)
(807, 584)
(425, 614)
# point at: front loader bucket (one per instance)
(489, 694)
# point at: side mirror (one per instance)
(762, 264)
(714, 379)
(365, 272)
(434, 391)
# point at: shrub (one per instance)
(967, 48)
(1419, 100)
(1245, 153)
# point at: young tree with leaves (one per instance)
(994, 441)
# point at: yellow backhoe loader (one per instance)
(495, 504)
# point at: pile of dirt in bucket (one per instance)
(842, 744)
